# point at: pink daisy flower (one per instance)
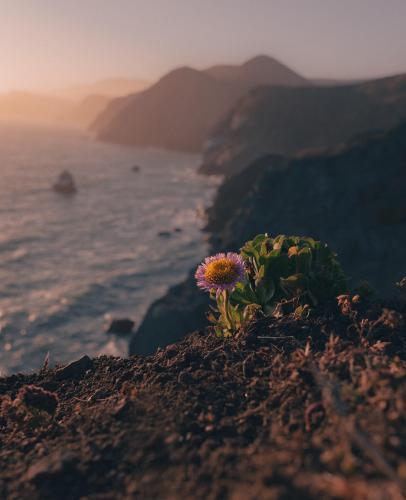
(220, 272)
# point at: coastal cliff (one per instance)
(292, 121)
(351, 196)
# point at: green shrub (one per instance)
(285, 274)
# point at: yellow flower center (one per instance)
(221, 272)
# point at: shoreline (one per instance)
(70, 261)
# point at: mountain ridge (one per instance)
(287, 121)
(258, 70)
(179, 110)
(109, 87)
(46, 108)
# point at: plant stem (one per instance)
(226, 295)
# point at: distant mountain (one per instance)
(288, 121)
(84, 112)
(331, 82)
(182, 107)
(351, 196)
(175, 113)
(260, 70)
(36, 107)
(50, 109)
(109, 87)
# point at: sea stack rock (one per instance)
(65, 183)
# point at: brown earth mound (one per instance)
(309, 408)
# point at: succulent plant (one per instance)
(289, 268)
(285, 274)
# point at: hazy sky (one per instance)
(52, 43)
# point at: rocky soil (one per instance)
(309, 408)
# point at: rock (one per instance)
(121, 326)
(177, 230)
(182, 310)
(65, 183)
(136, 168)
(164, 234)
(75, 369)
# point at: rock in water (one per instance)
(164, 234)
(122, 326)
(65, 183)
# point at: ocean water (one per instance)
(68, 264)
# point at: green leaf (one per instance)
(260, 275)
(294, 283)
(258, 239)
(278, 266)
(244, 294)
(270, 290)
(211, 317)
(250, 252)
(304, 260)
(218, 331)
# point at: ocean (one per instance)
(71, 263)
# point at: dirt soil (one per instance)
(289, 409)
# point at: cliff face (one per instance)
(288, 121)
(352, 197)
(179, 111)
(180, 311)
